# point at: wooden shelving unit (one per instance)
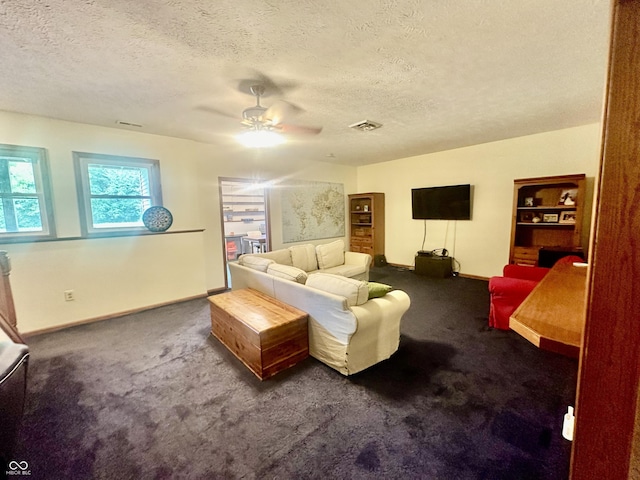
(547, 213)
(366, 223)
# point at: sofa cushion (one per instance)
(330, 254)
(345, 270)
(355, 291)
(377, 290)
(287, 272)
(282, 256)
(256, 262)
(304, 257)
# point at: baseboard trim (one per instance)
(216, 291)
(475, 277)
(410, 267)
(110, 316)
(465, 275)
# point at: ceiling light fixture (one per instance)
(260, 138)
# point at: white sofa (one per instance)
(326, 258)
(347, 331)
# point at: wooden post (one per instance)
(609, 372)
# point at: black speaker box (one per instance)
(433, 266)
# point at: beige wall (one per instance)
(114, 275)
(263, 165)
(482, 244)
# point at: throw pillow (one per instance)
(377, 290)
(330, 254)
(355, 291)
(304, 257)
(255, 262)
(289, 273)
(282, 256)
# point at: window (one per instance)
(114, 192)
(26, 209)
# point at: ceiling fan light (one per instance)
(260, 138)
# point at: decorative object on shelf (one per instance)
(550, 218)
(366, 208)
(536, 219)
(568, 196)
(568, 217)
(526, 217)
(528, 202)
(157, 219)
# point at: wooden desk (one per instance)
(552, 316)
(255, 243)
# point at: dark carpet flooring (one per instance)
(153, 396)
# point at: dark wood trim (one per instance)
(609, 373)
(216, 291)
(110, 316)
(267, 220)
(464, 275)
(475, 277)
(144, 233)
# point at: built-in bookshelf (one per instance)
(547, 213)
(366, 223)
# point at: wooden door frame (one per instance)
(609, 371)
(267, 220)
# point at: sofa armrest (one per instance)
(357, 258)
(516, 289)
(377, 336)
(389, 308)
(525, 272)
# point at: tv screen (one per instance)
(441, 203)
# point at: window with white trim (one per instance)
(26, 208)
(114, 191)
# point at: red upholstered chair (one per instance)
(510, 290)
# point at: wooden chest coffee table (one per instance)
(267, 335)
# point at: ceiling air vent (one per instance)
(365, 125)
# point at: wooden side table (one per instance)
(268, 336)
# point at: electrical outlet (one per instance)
(68, 296)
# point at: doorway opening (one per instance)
(245, 219)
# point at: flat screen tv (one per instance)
(441, 203)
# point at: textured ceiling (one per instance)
(437, 74)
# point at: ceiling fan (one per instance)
(273, 118)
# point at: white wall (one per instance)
(482, 244)
(113, 275)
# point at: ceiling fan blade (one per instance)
(299, 129)
(281, 111)
(271, 87)
(215, 111)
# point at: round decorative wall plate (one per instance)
(157, 219)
